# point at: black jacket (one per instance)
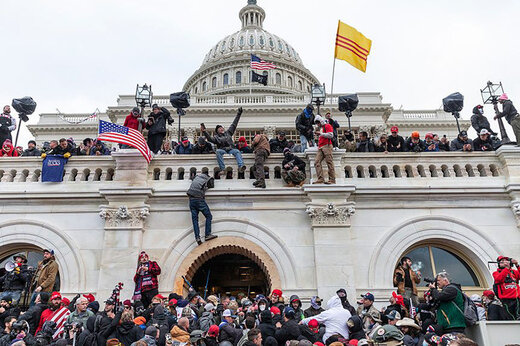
(414, 147)
(304, 125)
(496, 312)
(480, 145)
(87, 336)
(127, 333)
(12, 311)
(277, 146)
(159, 122)
(14, 281)
(224, 140)
(266, 325)
(310, 311)
(457, 144)
(228, 332)
(365, 146)
(298, 313)
(508, 111)
(293, 161)
(308, 334)
(60, 151)
(393, 142)
(198, 149)
(289, 331)
(355, 327)
(33, 314)
(33, 152)
(479, 122)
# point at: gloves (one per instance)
(44, 155)
(66, 155)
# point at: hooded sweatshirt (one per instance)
(298, 313)
(334, 319)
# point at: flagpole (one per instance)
(332, 82)
(251, 71)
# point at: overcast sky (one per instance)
(80, 55)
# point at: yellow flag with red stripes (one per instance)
(352, 46)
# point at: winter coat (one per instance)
(12, 311)
(394, 142)
(206, 320)
(334, 319)
(365, 146)
(457, 144)
(200, 184)
(355, 327)
(335, 126)
(277, 146)
(198, 149)
(127, 333)
(399, 277)
(304, 123)
(82, 317)
(427, 146)
(417, 340)
(103, 150)
(180, 335)
(153, 271)
(508, 111)
(33, 314)
(365, 314)
(32, 152)
(480, 145)
(293, 161)
(298, 313)
(150, 341)
(496, 311)
(310, 335)
(14, 280)
(245, 149)
(224, 140)
(159, 122)
(182, 150)
(87, 336)
(132, 122)
(7, 124)
(228, 332)
(58, 150)
(506, 281)
(266, 326)
(309, 312)
(418, 147)
(479, 122)
(11, 152)
(448, 315)
(261, 142)
(289, 331)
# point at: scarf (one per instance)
(315, 305)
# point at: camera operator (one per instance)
(304, 125)
(45, 335)
(156, 126)
(7, 124)
(19, 329)
(406, 280)
(145, 278)
(88, 337)
(7, 308)
(450, 304)
(348, 142)
(506, 285)
(45, 275)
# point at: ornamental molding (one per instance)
(330, 214)
(515, 207)
(124, 217)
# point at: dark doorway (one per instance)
(230, 274)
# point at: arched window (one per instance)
(278, 79)
(204, 86)
(214, 82)
(196, 90)
(289, 82)
(238, 77)
(431, 260)
(226, 79)
(300, 85)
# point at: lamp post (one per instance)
(318, 95)
(143, 96)
(490, 95)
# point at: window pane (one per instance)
(455, 266)
(421, 262)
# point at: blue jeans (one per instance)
(303, 141)
(33, 299)
(15, 295)
(235, 152)
(196, 206)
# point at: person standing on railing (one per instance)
(7, 124)
(156, 126)
(197, 194)
(223, 139)
(325, 149)
(335, 127)
(304, 125)
(261, 150)
(510, 113)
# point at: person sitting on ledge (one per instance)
(293, 172)
(223, 139)
(243, 147)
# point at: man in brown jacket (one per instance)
(45, 275)
(261, 149)
(406, 280)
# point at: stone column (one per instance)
(510, 159)
(124, 217)
(339, 170)
(330, 210)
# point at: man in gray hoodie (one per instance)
(197, 194)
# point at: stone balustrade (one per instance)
(351, 168)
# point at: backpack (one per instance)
(470, 310)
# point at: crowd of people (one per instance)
(440, 317)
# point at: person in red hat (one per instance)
(243, 146)
(494, 309)
(54, 304)
(275, 299)
(395, 142)
(212, 335)
(506, 283)
(90, 297)
(145, 278)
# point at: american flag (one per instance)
(259, 64)
(60, 316)
(121, 134)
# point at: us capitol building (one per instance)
(448, 211)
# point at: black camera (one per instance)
(430, 281)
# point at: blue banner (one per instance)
(52, 169)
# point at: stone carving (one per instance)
(124, 217)
(515, 207)
(379, 130)
(331, 214)
(270, 131)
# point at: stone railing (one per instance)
(351, 168)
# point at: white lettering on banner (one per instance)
(53, 163)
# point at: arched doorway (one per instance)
(240, 256)
(230, 273)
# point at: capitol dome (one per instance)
(226, 68)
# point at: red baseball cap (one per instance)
(90, 297)
(65, 301)
(172, 302)
(488, 293)
(313, 323)
(213, 330)
(394, 129)
(275, 310)
(277, 292)
(159, 296)
(55, 295)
